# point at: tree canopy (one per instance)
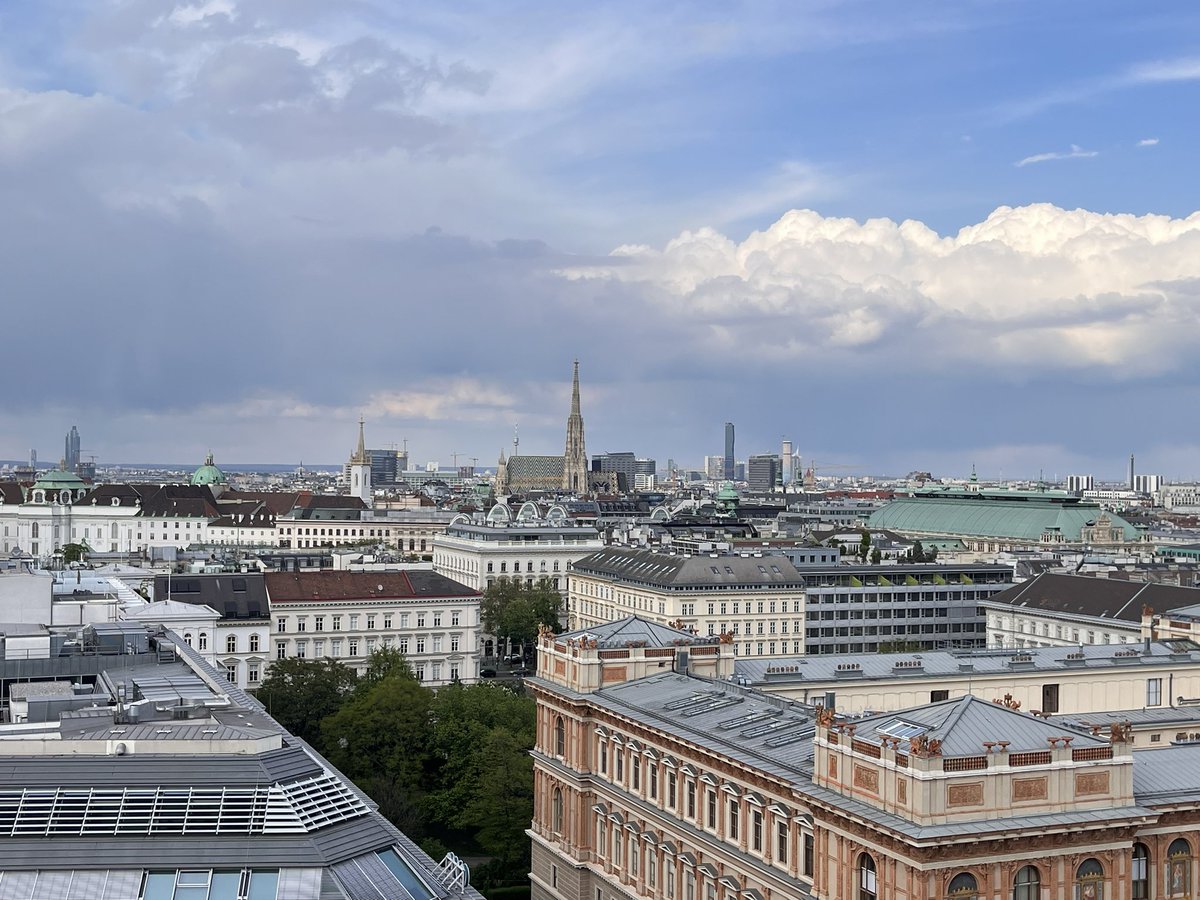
(513, 610)
(299, 693)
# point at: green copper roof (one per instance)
(1025, 516)
(57, 480)
(209, 473)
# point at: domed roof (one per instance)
(58, 480)
(209, 473)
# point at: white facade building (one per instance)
(527, 548)
(431, 619)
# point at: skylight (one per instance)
(898, 728)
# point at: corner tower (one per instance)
(360, 470)
(575, 477)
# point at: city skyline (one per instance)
(918, 238)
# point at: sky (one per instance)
(918, 236)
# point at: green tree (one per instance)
(501, 807)
(513, 610)
(876, 556)
(384, 662)
(299, 693)
(916, 553)
(73, 553)
(864, 545)
(380, 739)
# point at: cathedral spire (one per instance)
(575, 478)
(575, 391)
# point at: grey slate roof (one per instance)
(1102, 598)
(965, 723)
(639, 631)
(882, 666)
(666, 570)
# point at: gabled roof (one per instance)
(636, 630)
(965, 723)
(1103, 598)
(10, 492)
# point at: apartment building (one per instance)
(431, 619)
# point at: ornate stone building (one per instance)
(657, 777)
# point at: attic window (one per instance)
(116, 501)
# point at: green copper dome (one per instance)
(59, 480)
(209, 473)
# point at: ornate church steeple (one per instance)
(575, 478)
(360, 470)
(502, 476)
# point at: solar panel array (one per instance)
(296, 808)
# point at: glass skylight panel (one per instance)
(898, 728)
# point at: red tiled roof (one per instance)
(337, 586)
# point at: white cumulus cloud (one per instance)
(1034, 289)
(1147, 142)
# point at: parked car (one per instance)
(514, 659)
(522, 672)
(487, 673)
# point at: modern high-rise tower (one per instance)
(575, 464)
(71, 451)
(785, 456)
(729, 467)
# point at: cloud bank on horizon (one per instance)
(242, 223)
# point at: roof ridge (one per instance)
(959, 711)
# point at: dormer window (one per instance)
(116, 501)
(39, 496)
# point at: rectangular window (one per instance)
(370, 621)
(734, 809)
(353, 646)
(301, 649)
(281, 625)
(387, 621)
(637, 773)
(1153, 691)
(319, 623)
(671, 798)
(252, 675)
(808, 855)
(781, 843)
(353, 623)
(337, 623)
(1049, 698)
(281, 649)
(691, 800)
(756, 832)
(454, 617)
(437, 620)
(300, 624)
(712, 809)
(454, 643)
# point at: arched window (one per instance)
(231, 644)
(1179, 868)
(560, 737)
(1028, 884)
(556, 811)
(187, 638)
(1140, 872)
(867, 884)
(962, 887)
(1089, 880)
(203, 640)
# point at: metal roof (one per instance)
(1024, 517)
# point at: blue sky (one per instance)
(246, 222)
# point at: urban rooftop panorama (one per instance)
(599, 452)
